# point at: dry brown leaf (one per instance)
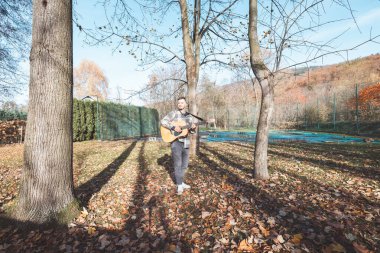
(195, 235)
(264, 231)
(244, 246)
(361, 248)
(196, 250)
(91, 230)
(297, 238)
(334, 248)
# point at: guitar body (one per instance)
(170, 136)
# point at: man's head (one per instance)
(181, 103)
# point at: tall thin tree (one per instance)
(207, 32)
(284, 25)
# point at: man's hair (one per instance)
(181, 98)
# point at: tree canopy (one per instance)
(15, 31)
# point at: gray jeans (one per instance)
(180, 157)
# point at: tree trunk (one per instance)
(261, 144)
(256, 108)
(192, 66)
(194, 140)
(47, 180)
(264, 78)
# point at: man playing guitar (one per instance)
(180, 122)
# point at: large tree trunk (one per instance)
(47, 181)
(264, 78)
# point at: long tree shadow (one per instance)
(142, 216)
(369, 173)
(136, 209)
(270, 205)
(240, 144)
(334, 150)
(347, 195)
(85, 191)
(360, 171)
(227, 161)
(143, 212)
(166, 162)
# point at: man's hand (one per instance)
(193, 126)
(177, 129)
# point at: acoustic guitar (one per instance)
(169, 135)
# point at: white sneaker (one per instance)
(185, 186)
(179, 189)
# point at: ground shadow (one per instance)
(329, 163)
(347, 196)
(85, 191)
(352, 170)
(135, 210)
(227, 161)
(147, 208)
(150, 203)
(167, 162)
(270, 205)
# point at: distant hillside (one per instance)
(310, 96)
(304, 83)
(303, 96)
(325, 80)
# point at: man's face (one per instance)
(181, 104)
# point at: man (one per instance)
(180, 147)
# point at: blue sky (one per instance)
(122, 70)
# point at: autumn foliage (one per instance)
(89, 80)
(367, 101)
(371, 95)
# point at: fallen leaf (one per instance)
(264, 231)
(297, 238)
(280, 239)
(361, 248)
(334, 248)
(224, 240)
(91, 230)
(84, 213)
(195, 235)
(205, 215)
(139, 233)
(244, 246)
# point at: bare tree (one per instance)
(209, 31)
(285, 27)
(15, 22)
(163, 89)
(211, 100)
(89, 79)
(47, 180)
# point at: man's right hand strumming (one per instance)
(177, 129)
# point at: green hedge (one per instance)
(116, 121)
(12, 115)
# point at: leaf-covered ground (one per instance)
(320, 198)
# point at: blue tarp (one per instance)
(283, 136)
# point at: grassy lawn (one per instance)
(320, 198)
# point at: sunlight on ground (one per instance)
(320, 197)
